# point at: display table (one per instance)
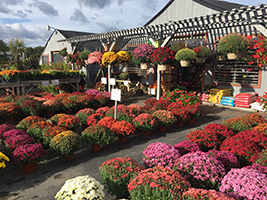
(20, 87)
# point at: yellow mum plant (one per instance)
(3, 159)
(123, 57)
(109, 58)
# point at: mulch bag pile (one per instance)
(245, 99)
(228, 101)
(203, 97)
(216, 94)
(257, 106)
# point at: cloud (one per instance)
(78, 16)
(12, 2)
(45, 8)
(20, 14)
(106, 27)
(99, 4)
(4, 10)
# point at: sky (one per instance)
(28, 19)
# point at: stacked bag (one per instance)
(245, 99)
(203, 97)
(216, 94)
(228, 101)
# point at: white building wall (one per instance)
(182, 9)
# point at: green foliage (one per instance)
(57, 65)
(237, 125)
(185, 54)
(124, 76)
(98, 135)
(51, 88)
(177, 46)
(84, 55)
(16, 47)
(3, 50)
(63, 52)
(262, 158)
(233, 43)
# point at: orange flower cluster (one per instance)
(8, 109)
(123, 128)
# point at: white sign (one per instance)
(55, 82)
(45, 83)
(104, 80)
(126, 83)
(116, 94)
(152, 91)
(112, 81)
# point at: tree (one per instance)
(16, 47)
(29, 51)
(3, 50)
(38, 50)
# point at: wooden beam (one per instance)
(261, 28)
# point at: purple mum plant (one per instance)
(142, 53)
(187, 146)
(245, 183)
(160, 154)
(259, 167)
(201, 170)
(228, 159)
(16, 141)
(6, 127)
(13, 132)
(93, 92)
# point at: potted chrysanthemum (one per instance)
(81, 187)
(163, 56)
(123, 129)
(94, 58)
(142, 55)
(165, 118)
(202, 52)
(146, 123)
(123, 57)
(185, 56)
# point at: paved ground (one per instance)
(53, 172)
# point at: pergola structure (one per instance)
(246, 20)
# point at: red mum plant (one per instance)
(69, 106)
(69, 122)
(8, 109)
(181, 114)
(200, 194)
(262, 158)
(175, 105)
(246, 145)
(177, 95)
(163, 55)
(56, 117)
(158, 183)
(220, 130)
(29, 153)
(159, 105)
(102, 99)
(228, 159)
(28, 121)
(193, 111)
(86, 101)
(4, 128)
(136, 109)
(103, 110)
(123, 113)
(32, 107)
(49, 132)
(93, 119)
(84, 114)
(107, 122)
(263, 101)
(51, 106)
(123, 128)
(187, 146)
(149, 103)
(116, 174)
(205, 139)
(164, 117)
(145, 122)
(35, 130)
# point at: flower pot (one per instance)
(50, 114)
(122, 139)
(232, 56)
(146, 132)
(145, 65)
(10, 119)
(68, 158)
(191, 121)
(96, 147)
(179, 124)
(185, 63)
(162, 128)
(29, 167)
(162, 67)
(200, 59)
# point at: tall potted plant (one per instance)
(202, 52)
(163, 56)
(185, 56)
(232, 45)
(142, 55)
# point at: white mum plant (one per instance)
(81, 187)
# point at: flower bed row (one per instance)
(212, 163)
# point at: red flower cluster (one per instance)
(69, 122)
(102, 110)
(220, 130)
(163, 55)
(205, 139)
(28, 121)
(123, 128)
(198, 194)
(107, 122)
(175, 105)
(94, 118)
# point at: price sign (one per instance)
(55, 82)
(104, 80)
(126, 83)
(152, 91)
(112, 81)
(45, 83)
(116, 94)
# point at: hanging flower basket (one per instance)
(185, 63)
(145, 65)
(162, 67)
(232, 56)
(200, 59)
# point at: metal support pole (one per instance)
(115, 110)
(158, 84)
(109, 70)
